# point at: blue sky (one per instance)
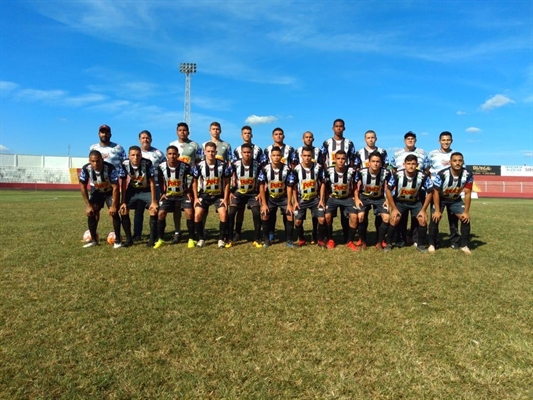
(392, 66)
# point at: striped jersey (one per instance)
(307, 181)
(245, 177)
(257, 153)
(407, 188)
(340, 185)
(175, 178)
(211, 177)
(450, 186)
(318, 157)
(275, 180)
(330, 148)
(364, 153)
(371, 185)
(287, 154)
(100, 181)
(154, 155)
(139, 175)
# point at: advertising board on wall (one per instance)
(517, 170)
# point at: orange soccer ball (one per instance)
(111, 237)
(87, 236)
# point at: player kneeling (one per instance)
(210, 186)
(138, 192)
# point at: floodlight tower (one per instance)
(188, 69)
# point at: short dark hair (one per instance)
(95, 153)
(214, 123)
(246, 146)
(211, 144)
(456, 153)
(134, 148)
(308, 148)
(172, 147)
(183, 124)
(375, 153)
(145, 132)
(278, 129)
(275, 148)
(445, 133)
(411, 157)
(246, 127)
(341, 152)
(339, 120)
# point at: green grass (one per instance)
(252, 323)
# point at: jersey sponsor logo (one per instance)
(219, 157)
(340, 188)
(101, 185)
(246, 181)
(185, 159)
(174, 183)
(407, 192)
(276, 185)
(372, 190)
(283, 160)
(308, 184)
(452, 191)
(211, 181)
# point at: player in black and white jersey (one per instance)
(340, 182)
(287, 151)
(449, 184)
(174, 176)
(370, 146)
(370, 194)
(190, 153)
(308, 140)
(137, 191)
(273, 180)
(257, 154)
(156, 156)
(306, 191)
(330, 147)
(210, 186)
(245, 192)
(403, 196)
(103, 180)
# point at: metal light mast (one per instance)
(187, 69)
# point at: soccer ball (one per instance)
(111, 237)
(87, 236)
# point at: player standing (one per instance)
(174, 175)
(449, 183)
(370, 194)
(111, 152)
(340, 182)
(306, 191)
(406, 185)
(273, 180)
(210, 186)
(190, 153)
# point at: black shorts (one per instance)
(346, 205)
(240, 200)
(404, 207)
(274, 204)
(455, 207)
(311, 205)
(101, 198)
(173, 203)
(376, 204)
(133, 198)
(206, 201)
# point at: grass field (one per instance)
(276, 323)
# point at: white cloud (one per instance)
(40, 95)
(6, 86)
(256, 119)
(527, 153)
(3, 149)
(461, 112)
(78, 101)
(496, 101)
(472, 129)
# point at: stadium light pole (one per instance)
(188, 69)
